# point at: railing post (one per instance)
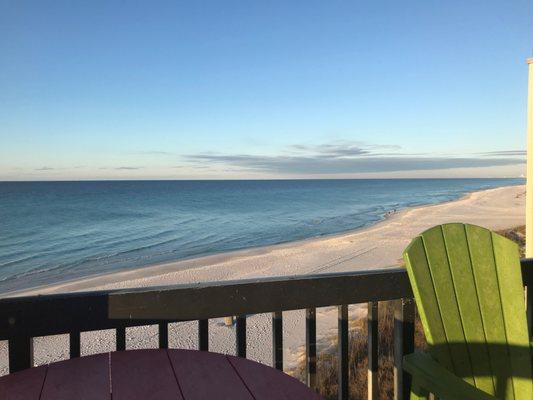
(20, 353)
(343, 352)
(241, 336)
(310, 347)
(373, 351)
(529, 308)
(277, 340)
(74, 344)
(404, 343)
(527, 278)
(203, 334)
(121, 338)
(163, 335)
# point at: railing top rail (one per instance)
(59, 313)
(201, 285)
(85, 311)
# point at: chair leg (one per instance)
(417, 392)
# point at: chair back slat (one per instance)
(488, 292)
(466, 294)
(514, 314)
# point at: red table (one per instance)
(153, 374)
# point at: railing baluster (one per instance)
(310, 347)
(121, 338)
(404, 343)
(241, 336)
(529, 308)
(203, 334)
(163, 335)
(277, 340)
(20, 353)
(343, 352)
(373, 354)
(74, 344)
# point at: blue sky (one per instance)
(252, 89)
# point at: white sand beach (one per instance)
(379, 246)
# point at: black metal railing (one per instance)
(23, 318)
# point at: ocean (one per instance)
(56, 231)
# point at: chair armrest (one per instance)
(436, 379)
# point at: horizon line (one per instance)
(254, 179)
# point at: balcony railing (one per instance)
(23, 318)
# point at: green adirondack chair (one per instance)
(468, 288)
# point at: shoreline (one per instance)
(374, 247)
(169, 266)
(93, 282)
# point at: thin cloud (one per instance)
(504, 153)
(350, 158)
(155, 153)
(121, 168)
(341, 149)
(195, 167)
(44, 169)
(320, 165)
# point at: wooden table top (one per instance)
(153, 374)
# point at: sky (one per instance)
(263, 90)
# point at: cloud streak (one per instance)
(505, 153)
(322, 165)
(155, 153)
(351, 158)
(121, 168)
(343, 149)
